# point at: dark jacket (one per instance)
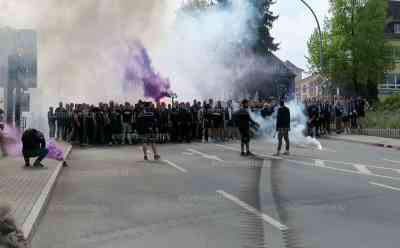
(32, 139)
(283, 119)
(243, 119)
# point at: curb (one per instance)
(31, 222)
(368, 143)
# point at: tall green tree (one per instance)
(261, 26)
(356, 52)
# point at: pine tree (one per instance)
(262, 25)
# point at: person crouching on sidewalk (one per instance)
(34, 145)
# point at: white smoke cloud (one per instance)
(200, 53)
(298, 125)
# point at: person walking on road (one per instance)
(148, 129)
(283, 127)
(244, 121)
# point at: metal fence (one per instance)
(380, 132)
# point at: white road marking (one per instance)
(187, 153)
(319, 163)
(255, 153)
(333, 168)
(384, 186)
(342, 170)
(175, 166)
(362, 169)
(204, 155)
(254, 211)
(392, 161)
(398, 171)
(366, 165)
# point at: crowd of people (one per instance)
(146, 122)
(339, 114)
(114, 123)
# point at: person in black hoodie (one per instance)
(34, 145)
(283, 127)
(243, 121)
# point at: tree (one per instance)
(356, 52)
(262, 25)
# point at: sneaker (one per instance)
(157, 157)
(248, 153)
(242, 154)
(27, 165)
(146, 158)
(39, 165)
(286, 153)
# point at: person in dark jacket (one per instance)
(34, 145)
(2, 141)
(148, 129)
(283, 127)
(243, 121)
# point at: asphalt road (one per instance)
(206, 195)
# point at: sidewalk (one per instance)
(27, 190)
(370, 140)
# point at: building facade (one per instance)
(392, 34)
(309, 87)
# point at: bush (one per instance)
(385, 114)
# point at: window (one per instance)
(397, 81)
(397, 28)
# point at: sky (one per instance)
(294, 26)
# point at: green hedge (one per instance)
(385, 114)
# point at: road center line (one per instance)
(175, 166)
(254, 211)
(205, 155)
(384, 186)
(362, 169)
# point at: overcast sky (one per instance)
(294, 27)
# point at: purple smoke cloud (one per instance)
(139, 71)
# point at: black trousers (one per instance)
(283, 134)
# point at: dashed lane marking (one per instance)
(362, 169)
(175, 166)
(204, 155)
(254, 211)
(385, 186)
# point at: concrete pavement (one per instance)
(206, 195)
(27, 189)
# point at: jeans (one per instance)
(126, 133)
(52, 130)
(283, 134)
(60, 131)
(40, 153)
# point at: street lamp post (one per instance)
(320, 34)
